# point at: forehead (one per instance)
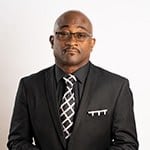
(73, 20)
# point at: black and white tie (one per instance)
(67, 111)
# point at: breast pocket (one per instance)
(96, 123)
(98, 117)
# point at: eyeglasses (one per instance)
(79, 36)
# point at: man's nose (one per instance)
(71, 40)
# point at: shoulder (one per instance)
(38, 76)
(107, 76)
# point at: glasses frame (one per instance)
(74, 34)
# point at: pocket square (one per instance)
(98, 112)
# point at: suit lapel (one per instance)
(51, 99)
(85, 100)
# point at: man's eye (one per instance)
(81, 35)
(64, 33)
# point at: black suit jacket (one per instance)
(104, 121)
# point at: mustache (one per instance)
(70, 48)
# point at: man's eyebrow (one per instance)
(83, 28)
(66, 26)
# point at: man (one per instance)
(73, 105)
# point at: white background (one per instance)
(122, 30)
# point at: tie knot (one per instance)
(70, 80)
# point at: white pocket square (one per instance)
(98, 112)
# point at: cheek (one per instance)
(86, 50)
(57, 47)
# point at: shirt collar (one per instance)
(80, 74)
(59, 73)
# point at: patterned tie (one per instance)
(67, 107)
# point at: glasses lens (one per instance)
(81, 36)
(62, 35)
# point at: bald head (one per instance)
(73, 17)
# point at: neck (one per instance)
(68, 69)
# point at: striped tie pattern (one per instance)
(67, 107)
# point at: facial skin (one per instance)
(70, 55)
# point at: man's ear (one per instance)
(51, 40)
(93, 43)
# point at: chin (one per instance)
(71, 60)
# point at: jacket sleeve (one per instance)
(21, 134)
(123, 127)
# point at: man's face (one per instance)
(72, 49)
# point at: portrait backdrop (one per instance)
(122, 32)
